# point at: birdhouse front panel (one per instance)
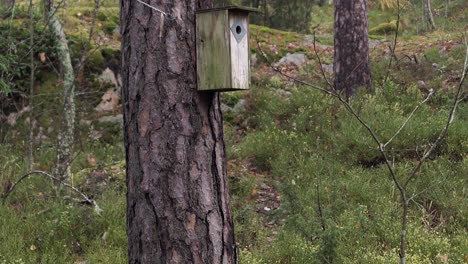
(223, 49)
(213, 57)
(239, 39)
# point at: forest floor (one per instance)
(307, 183)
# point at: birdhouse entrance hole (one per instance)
(238, 30)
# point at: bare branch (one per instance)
(351, 110)
(320, 65)
(431, 92)
(395, 39)
(450, 118)
(97, 209)
(85, 49)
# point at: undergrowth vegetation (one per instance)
(287, 145)
(339, 201)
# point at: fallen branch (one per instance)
(86, 199)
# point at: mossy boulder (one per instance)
(384, 28)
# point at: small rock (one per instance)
(226, 108)
(327, 68)
(95, 135)
(108, 76)
(308, 40)
(297, 59)
(373, 43)
(112, 119)
(240, 106)
(253, 60)
(421, 84)
(85, 122)
(283, 93)
(110, 101)
(104, 236)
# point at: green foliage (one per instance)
(384, 28)
(321, 151)
(14, 54)
(306, 144)
(291, 15)
(110, 27)
(68, 231)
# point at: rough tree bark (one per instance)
(351, 61)
(66, 133)
(177, 197)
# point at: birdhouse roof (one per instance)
(245, 9)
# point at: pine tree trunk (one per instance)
(351, 61)
(177, 196)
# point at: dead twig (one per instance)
(86, 199)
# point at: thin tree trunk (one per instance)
(177, 195)
(447, 4)
(66, 133)
(404, 223)
(351, 60)
(31, 88)
(265, 12)
(430, 17)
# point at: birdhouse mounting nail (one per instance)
(223, 48)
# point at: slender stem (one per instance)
(404, 223)
(319, 203)
(395, 39)
(409, 117)
(31, 88)
(321, 66)
(85, 49)
(447, 3)
(430, 17)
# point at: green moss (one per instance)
(325, 41)
(94, 62)
(231, 99)
(102, 16)
(379, 37)
(384, 28)
(109, 27)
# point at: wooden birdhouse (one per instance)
(223, 49)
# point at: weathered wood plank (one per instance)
(213, 59)
(239, 50)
